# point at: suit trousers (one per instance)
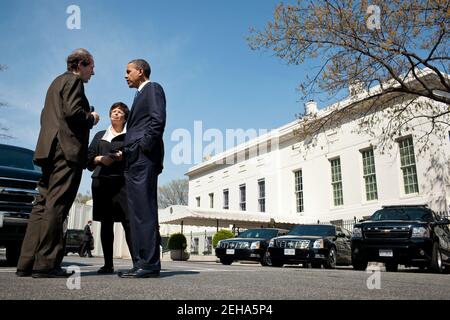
(107, 238)
(86, 249)
(43, 245)
(141, 179)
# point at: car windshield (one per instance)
(259, 233)
(17, 158)
(73, 234)
(407, 214)
(313, 230)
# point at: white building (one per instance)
(338, 174)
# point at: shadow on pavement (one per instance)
(163, 274)
(67, 264)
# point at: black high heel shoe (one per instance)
(105, 270)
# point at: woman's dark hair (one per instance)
(122, 106)
(77, 56)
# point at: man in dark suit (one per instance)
(61, 152)
(144, 153)
(87, 240)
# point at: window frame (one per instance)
(243, 197)
(262, 198)
(211, 200)
(367, 164)
(337, 183)
(408, 187)
(226, 199)
(197, 199)
(299, 196)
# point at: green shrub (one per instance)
(221, 235)
(177, 241)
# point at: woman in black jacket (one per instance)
(108, 182)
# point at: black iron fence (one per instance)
(346, 224)
(444, 214)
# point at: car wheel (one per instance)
(277, 264)
(13, 253)
(331, 259)
(226, 261)
(391, 266)
(359, 264)
(265, 261)
(436, 259)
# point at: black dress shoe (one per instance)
(23, 273)
(105, 270)
(53, 273)
(140, 273)
(132, 270)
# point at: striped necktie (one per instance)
(136, 95)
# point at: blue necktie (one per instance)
(136, 95)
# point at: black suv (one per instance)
(18, 182)
(412, 235)
(249, 245)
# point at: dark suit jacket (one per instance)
(99, 147)
(66, 116)
(145, 126)
(87, 235)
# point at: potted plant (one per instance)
(222, 235)
(177, 245)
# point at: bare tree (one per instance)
(173, 193)
(389, 51)
(3, 130)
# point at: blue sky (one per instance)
(197, 51)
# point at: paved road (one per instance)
(200, 280)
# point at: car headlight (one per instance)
(357, 232)
(271, 243)
(420, 232)
(255, 245)
(318, 244)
